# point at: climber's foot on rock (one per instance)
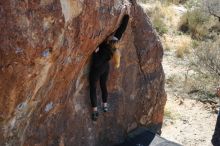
(105, 107)
(95, 115)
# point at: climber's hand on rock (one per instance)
(96, 50)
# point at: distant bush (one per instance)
(205, 69)
(180, 53)
(195, 23)
(160, 16)
(206, 58)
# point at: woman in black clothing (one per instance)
(216, 135)
(99, 71)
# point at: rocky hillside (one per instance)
(44, 63)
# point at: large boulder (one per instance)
(45, 50)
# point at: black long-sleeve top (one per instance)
(103, 56)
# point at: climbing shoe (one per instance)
(105, 108)
(95, 115)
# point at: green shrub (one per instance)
(159, 25)
(195, 23)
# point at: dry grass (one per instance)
(201, 84)
(197, 22)
(166, 13)
(205, 62)
(183, 48)
(167, 18)
(181, 44)
(159, 19)
(206, 58)
(162, 16)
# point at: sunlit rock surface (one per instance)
(45, 50)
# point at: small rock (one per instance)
(48, 107)
(143, 119)
(21, 105)
(18, 50)
(46, 52)
(181, 102)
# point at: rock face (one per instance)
(45, 52)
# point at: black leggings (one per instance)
(216, 135)
(100, 74)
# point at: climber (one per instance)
(99, 71)
(216, 135)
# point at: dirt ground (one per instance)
(187, 121)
